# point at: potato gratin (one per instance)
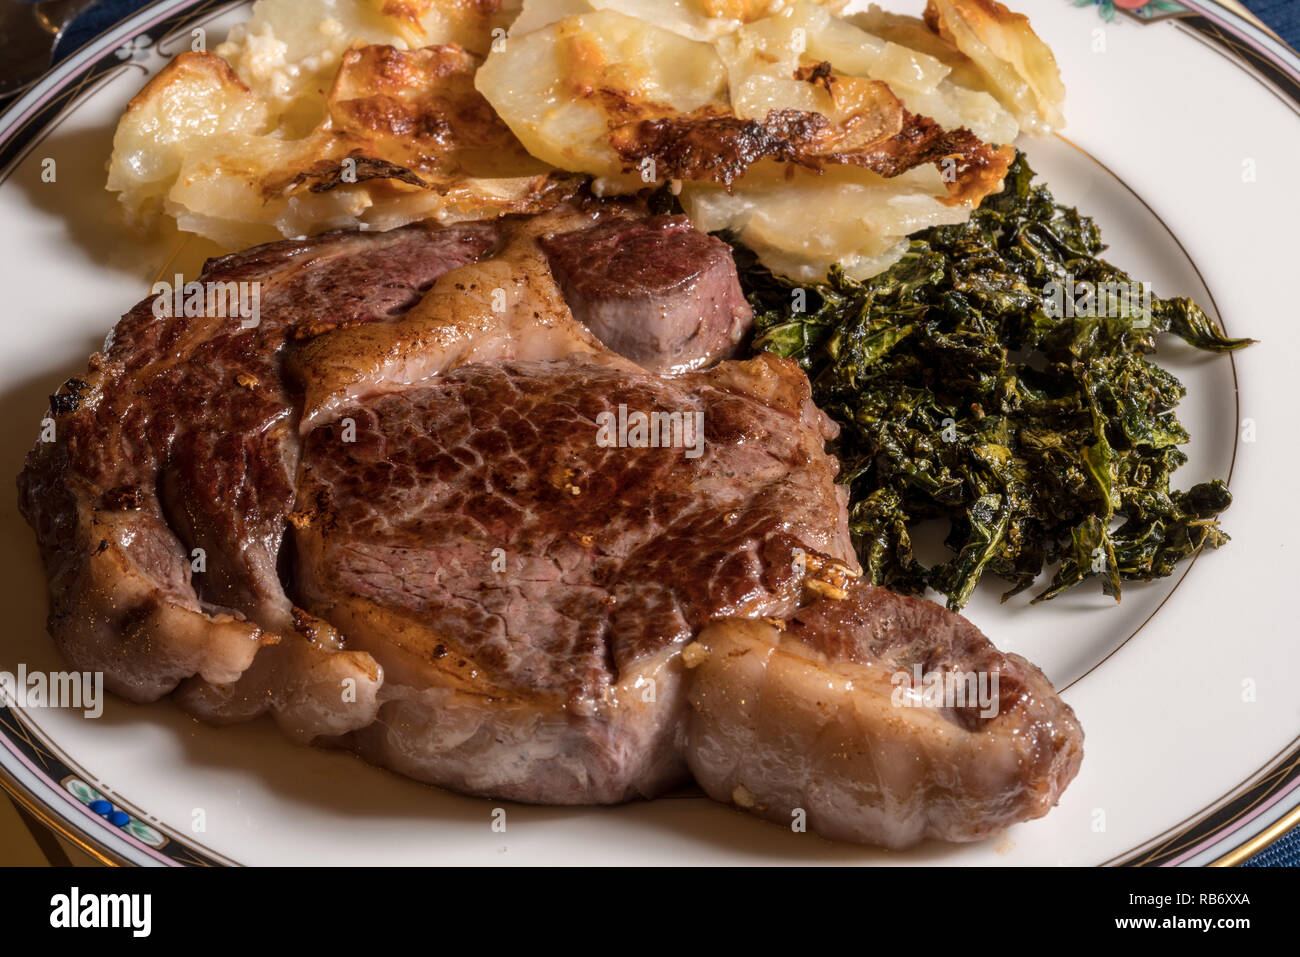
(818, 137)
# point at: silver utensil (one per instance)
(28, 34)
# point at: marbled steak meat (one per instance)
(415, 545)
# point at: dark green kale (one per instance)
(996, 377)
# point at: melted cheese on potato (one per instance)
(558, 86)
(313, 115)
(789, 125)
(818, 137)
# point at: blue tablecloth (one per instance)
(1282, 15)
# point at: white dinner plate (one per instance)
(1182, 138)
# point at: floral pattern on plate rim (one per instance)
(1143, 9)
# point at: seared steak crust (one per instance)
(554, 579)
(480, 542)
(409, 512)
(160, 507)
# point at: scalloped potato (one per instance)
(310, 117)
(813, 139)
(693, 19)
(620, 64)
(1018, 65)
(819, 138)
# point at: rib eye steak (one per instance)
(422, 511)
(653, 289)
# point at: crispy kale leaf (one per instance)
(971, 388)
